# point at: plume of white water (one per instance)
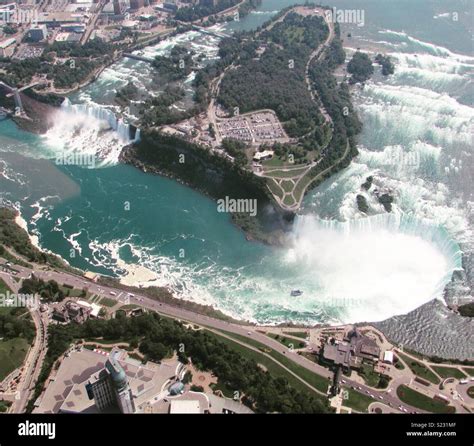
(89, 129)
(380, 266)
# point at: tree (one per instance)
(360, 66)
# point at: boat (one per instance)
(295, 293)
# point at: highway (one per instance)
(250, 332)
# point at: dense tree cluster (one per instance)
(159, 337)
(275, 80)
(196, 12)
(467, 310)
(360, 67)
(236, 149)
(176, 66)
(249, 5)
(95, 48)
(12, 236)
(157, 111)
(386, 63)
(76, 64)
(49, 291)
(129, 92)
(14, 326)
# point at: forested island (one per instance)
(284, 67)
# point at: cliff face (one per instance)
(38, 116)
(214, 176)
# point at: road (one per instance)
(182, 314)
(35, 357)
(318, 52)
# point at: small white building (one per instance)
(185, 407)
(95, 308)
(388, 357)
(7, 47)
(265, 155)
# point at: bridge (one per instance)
(217, 34)
(15, 92)
(138, 57)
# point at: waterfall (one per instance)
(103, 114)
(89, 134)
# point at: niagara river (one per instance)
(399, 268)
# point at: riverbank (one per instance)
(214, 177)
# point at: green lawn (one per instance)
(275, 188)
(285, 173)
(370, 377)
(4, 405)
(12, 351)
(289, 200)
(448, 372)
(420, 369)
(469, 371)
(417, 399)
(287, 185)
(108, 302)
(288, 342)
(4, 287)
(12, 355)
(317, 381)
(357, 401)
(297, 334)
(269, 365)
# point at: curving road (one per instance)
(182, 314)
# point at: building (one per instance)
(37, 33)
(262, 156)
(56, 19)
(388, 357)
(170, 6)
(91, 276)
(7, 47)
(185, 407)
(92, 382)
(119, 7)
(350, 353)
(79, 28)
(137, 4)
(110, 387)
(71, 311)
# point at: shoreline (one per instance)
(165, 295)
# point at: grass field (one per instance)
(469, 371)
(108, 302)
(357, 401)
(420, 369)
(297, 334)
(285, 173)
(12, 351)
(287, 342)
(317, 381)
(269, 365)
(3, 287)
(449, 372)
(12, 355)
(417, 399)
